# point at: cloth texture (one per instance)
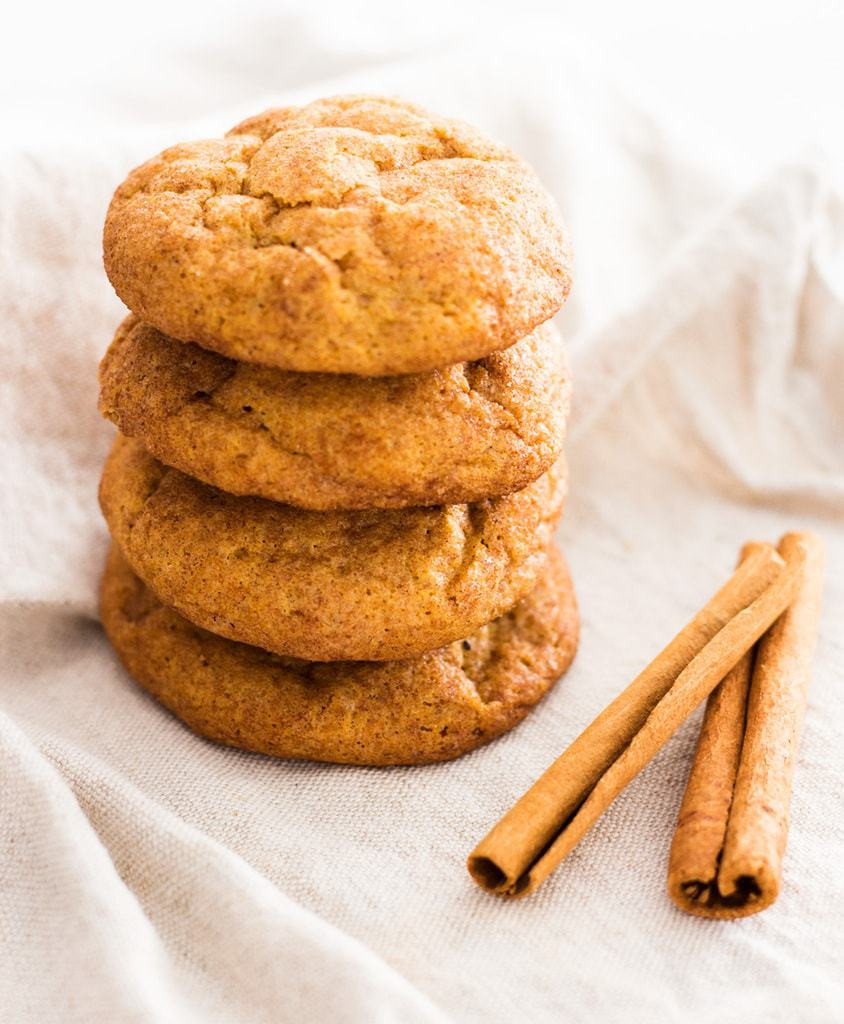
(150, 877)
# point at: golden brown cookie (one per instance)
(326, 586)
(353, 235)
(323, 441)
(390, 712)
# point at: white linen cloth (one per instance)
(149, 876)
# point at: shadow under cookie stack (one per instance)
(342, 413)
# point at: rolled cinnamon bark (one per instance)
(545, 824)
(703, 817)
(726, 856)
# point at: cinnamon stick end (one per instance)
(492, 878)
(702, 897)
(487, 873)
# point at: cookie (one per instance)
(326, 586)
(353, 235)
(323, 441)
(416, 711)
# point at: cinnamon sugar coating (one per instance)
(356, 234)
(361, 585)
(432, 708)
(323, 441)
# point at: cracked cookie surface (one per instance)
(432, 708)
(322, 441)
(325, 586)
(357, 234)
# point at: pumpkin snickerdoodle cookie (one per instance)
(432, 708)
(353, 235)
(323, 441)
(359, 585)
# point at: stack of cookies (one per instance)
(342, 413)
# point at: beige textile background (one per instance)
(148, 876)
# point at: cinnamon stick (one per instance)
(713, 775)
(726, 856)
(546, 823)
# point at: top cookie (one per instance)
(353, 235)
